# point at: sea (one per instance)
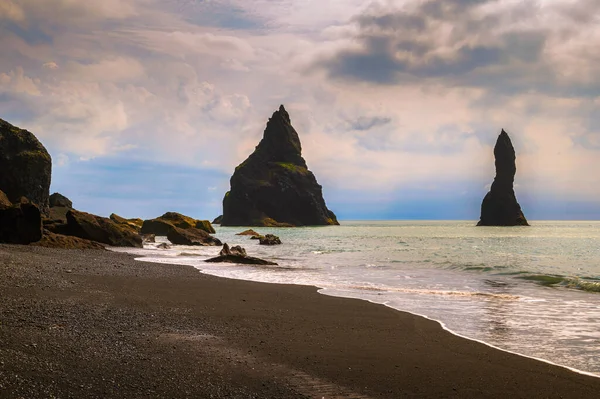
(534, 291)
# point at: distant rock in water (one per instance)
(274, 187)
(269, 239)
(248, 233)
(25, 166)
(237, 254)
(218, 219)
(500, 206)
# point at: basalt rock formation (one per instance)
(274, 187)
(25, 166)
(500, 206)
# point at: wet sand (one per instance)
(86, 323)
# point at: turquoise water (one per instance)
(530, 290)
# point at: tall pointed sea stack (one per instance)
(500, 206)
(274, 187)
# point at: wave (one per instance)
(553, 280)
(422, 291)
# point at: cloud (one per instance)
(508, 47)
(11, 11)
(399, 101)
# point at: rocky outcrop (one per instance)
(52, 240)
(269, 239)
(218, 219)
(25, 166)
(58, 199)
(57, 214)
(20, 223)
(500, 206)
(237, 254)
(274, 187)
(161, 225)
(134, 225)
(100, 229)
(191, 236)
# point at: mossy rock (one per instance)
(102, 230)
(25, 166)
(133, 224)
(163, 224)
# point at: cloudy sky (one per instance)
(147, 106)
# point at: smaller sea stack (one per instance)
(500, 206)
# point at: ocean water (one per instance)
(531, 290)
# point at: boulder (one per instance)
(218, 219)
(53, 240)
(191, 236)
(157, 227)
(163, 245)
(100, 229)
(274, 187)
(269, 239)
(500, 206)
(161, 225)
(20, 223)
(248, 233)
(25, 166)
(57, 214)
(58, 199)
(237, 254)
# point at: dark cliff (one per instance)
(500, 206)
(274, 187)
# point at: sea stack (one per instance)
(274, 187)
(25, 166)
(500, 206)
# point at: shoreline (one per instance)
(102, 324)
(322, 290)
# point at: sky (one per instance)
(147, 106)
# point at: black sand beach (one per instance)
(86, 323)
